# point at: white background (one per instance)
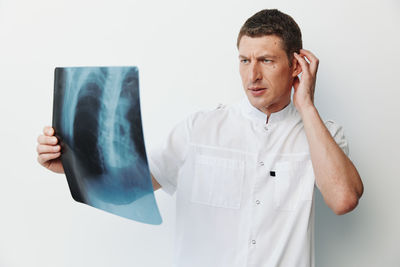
(188, 60)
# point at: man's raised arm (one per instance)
(335, 175)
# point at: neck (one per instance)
(274, 108)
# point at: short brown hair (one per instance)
(274, 22)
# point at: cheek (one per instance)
(280, 75)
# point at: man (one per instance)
(244, 175)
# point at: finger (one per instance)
(47, 140)
(303, 63)
(48, 130)
(42, 149)
(308, 54)
(314, 61)
(43, 158)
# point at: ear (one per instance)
(296, 67)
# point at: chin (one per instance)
(259, 102)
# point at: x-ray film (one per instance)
(96, 116)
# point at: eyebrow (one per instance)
(260, 57)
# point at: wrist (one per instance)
(307, 109)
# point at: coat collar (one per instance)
(255, 114)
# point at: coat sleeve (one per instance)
(166, 160)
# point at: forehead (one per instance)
(257, 46)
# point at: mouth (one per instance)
(256, 91)
(256, 88)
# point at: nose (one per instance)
(255, 73)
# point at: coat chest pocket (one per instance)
(218, 181)
(293, 182)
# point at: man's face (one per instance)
(266, 76)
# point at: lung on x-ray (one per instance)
(96, 116)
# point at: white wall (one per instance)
(187, 58)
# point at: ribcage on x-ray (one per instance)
(103, 130)
(96, 115)
(86, 128)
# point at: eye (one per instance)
(244, 61)
(267, 60)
